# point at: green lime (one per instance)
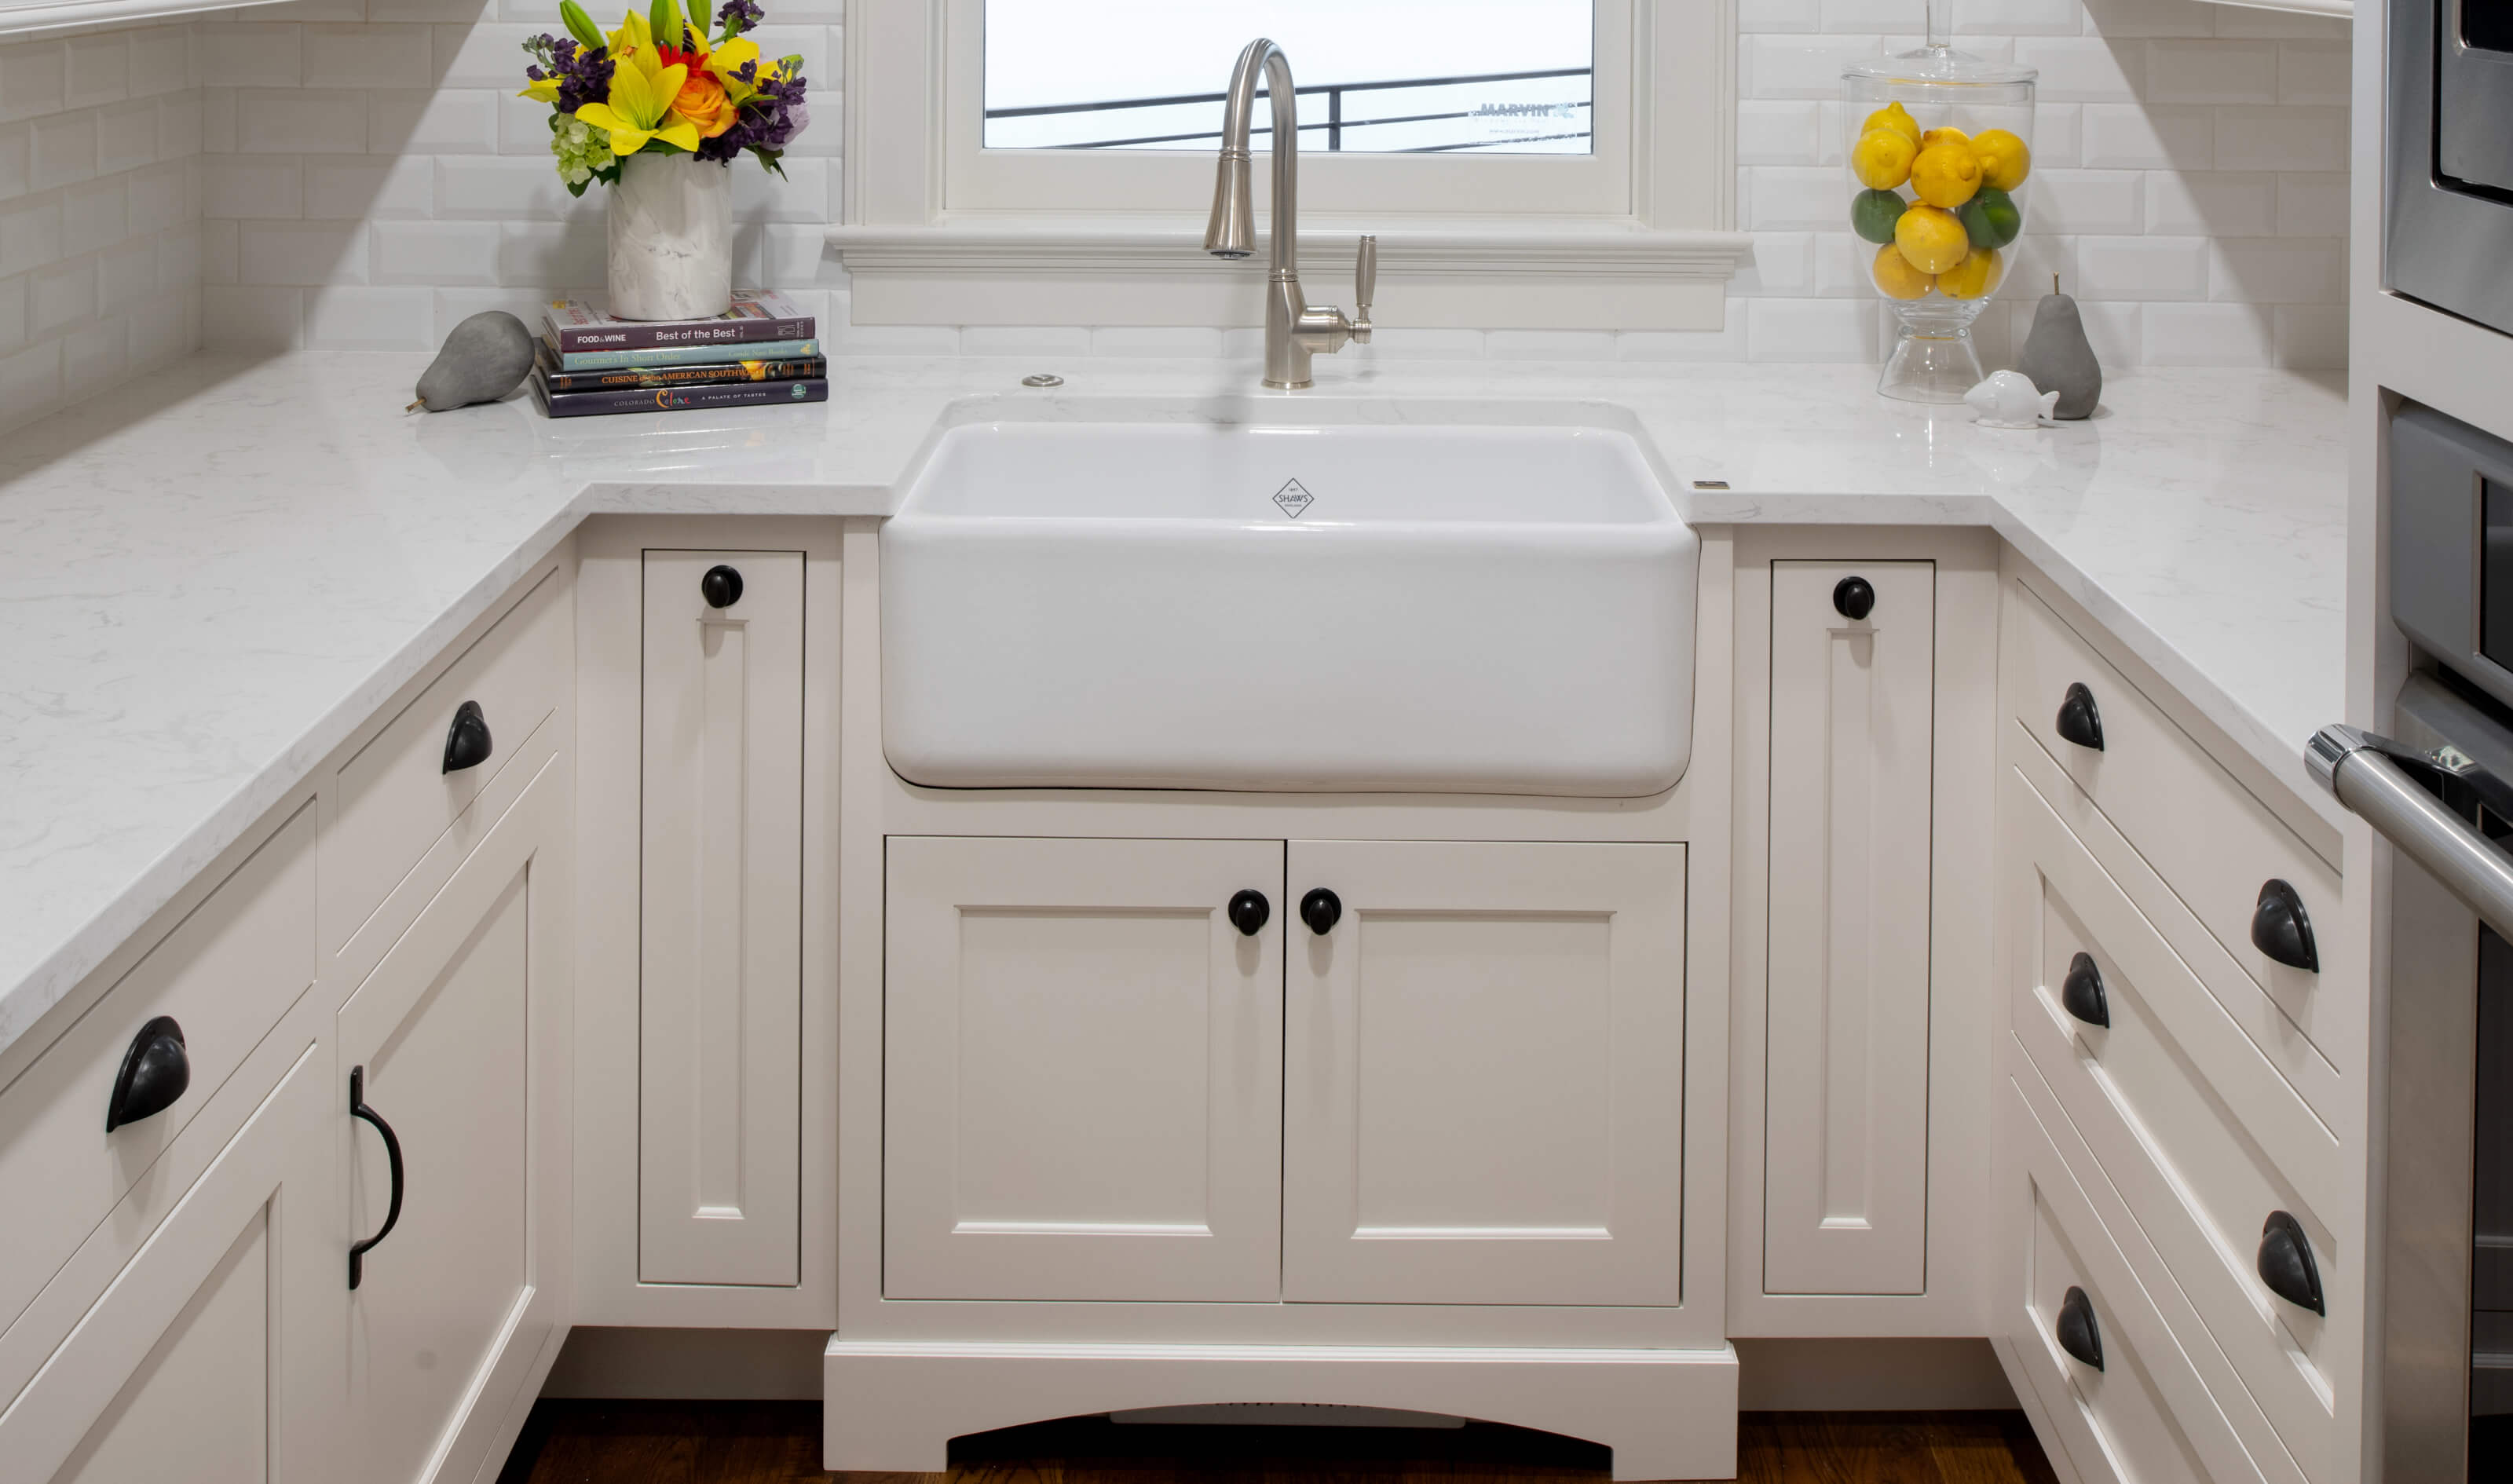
(1991, 218)
(1873, 212)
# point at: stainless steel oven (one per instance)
(2450, 95)
(2440, 787)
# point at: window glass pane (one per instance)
(1380, 76)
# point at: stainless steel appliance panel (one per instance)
(2450, 100)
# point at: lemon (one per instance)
(1895, 117)
(2005, 162)
(1882, 159)
(1895, 276)
(1946, 174)
(1944, 136)
(1976, 277)
(1873, 212)
(1931, 238)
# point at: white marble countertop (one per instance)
(209, 579)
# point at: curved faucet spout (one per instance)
(1231, 231)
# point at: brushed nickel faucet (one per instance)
(1294, 328)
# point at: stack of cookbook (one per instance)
(763, 349)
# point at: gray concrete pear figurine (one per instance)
(486, 357)
(2060, 358)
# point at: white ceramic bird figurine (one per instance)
(2008, 399)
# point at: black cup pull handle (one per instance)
(1249, 912)
(2286, 1264)
(2077, 1332)
(1854, 598)
(392, 1157)
(2081, 721)
(721, 586)
(2282, 929)
(1320, 909)
(2081, 994)
(155, 1070)
(467, 742)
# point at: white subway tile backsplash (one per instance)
(2311, 205)
(160, 59)
(126, 136)
(305, 253)
(34, 76)
(1780, 132)
(1151, 341)
(1725, 343)
(485, 55)
(30, 233)
(354, 318)
(1026, 340)
(160, 197)
(506, 187)
(252, 55)
(2084, 69)
(2210, 203)
(2278, 270)
(99, 69)
(12, 313)
(243, 185)
(458, 121)
(2206, 335)
(126, 274)
(300, 121)
(1778, 16)
(1792, 198)
(2058, 133)
(2313, 72)
(1547, 345)
(2145, 268)
(93, 356)
(63, 293)
(1808, 328)
(2212, 72)
(2311, 336)
(1886, 18)
(429, 253)
(16, 160)
(345, 187)
(2019, 17)
(2121, 20)
(251, 319)
(2139, 136)
(219, 250)
(2061, 200)
(31, 382)
(2282, 139)
(341, 56)
(2250, 20)
(1801, 66)
(65, 149)
(535, 253)
(94, 216)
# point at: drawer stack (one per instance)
(2175, 1072)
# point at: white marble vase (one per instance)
(671, 238)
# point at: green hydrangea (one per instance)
(580, 148)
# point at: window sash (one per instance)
(976, 180)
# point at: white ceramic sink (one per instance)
(1278, 594)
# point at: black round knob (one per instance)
(1322, 909)
(1853, 598)
(721, 586)
(155, 1071)
(1249, 912)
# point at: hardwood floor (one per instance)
(644, 1442)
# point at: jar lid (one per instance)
(1941, 66)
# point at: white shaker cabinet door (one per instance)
(455, 1303)
(1845, 1115)
(1484, 1075)
(1082, 1070)
(214, 1356)
(720, 991)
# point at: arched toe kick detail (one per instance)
(895, 1404)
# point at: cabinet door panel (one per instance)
(721, 976)
(1483, 1087)
(444, 1030)
(1846, 1116)
(214, 1356)
(1083, 1071)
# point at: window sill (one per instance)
(1607, 276)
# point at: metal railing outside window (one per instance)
(1541, 116)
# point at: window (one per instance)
(1407, 77)
(1540, 163)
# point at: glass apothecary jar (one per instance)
(1940, 154)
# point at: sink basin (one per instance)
(1278, 594)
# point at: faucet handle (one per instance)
(1365, 285)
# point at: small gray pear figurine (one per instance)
(486, 357)
(2058, 357)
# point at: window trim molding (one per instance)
(1661, 265)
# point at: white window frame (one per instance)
(936, 229)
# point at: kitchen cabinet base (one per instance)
(895, 1404)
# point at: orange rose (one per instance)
(702, 102)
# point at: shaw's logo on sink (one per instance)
(1293, 498)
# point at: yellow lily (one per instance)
(640, 101)
(544, 90)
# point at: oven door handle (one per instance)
(2394, 787)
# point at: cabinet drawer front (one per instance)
(396, 800)
(226, 974)
(213, 1352)
(2214, 844)
(2147, 1414)
(2167, 1131)
(1082, 1070)
(1484, 1080)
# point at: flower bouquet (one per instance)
(656, 109)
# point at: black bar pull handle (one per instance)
(2282, 929)
(467, 742)
(2077, 1332)
(2081, 721)
(392, 1155)
(155, 1071)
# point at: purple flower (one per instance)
(582, 77)
(749, 16)
(769, 120)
